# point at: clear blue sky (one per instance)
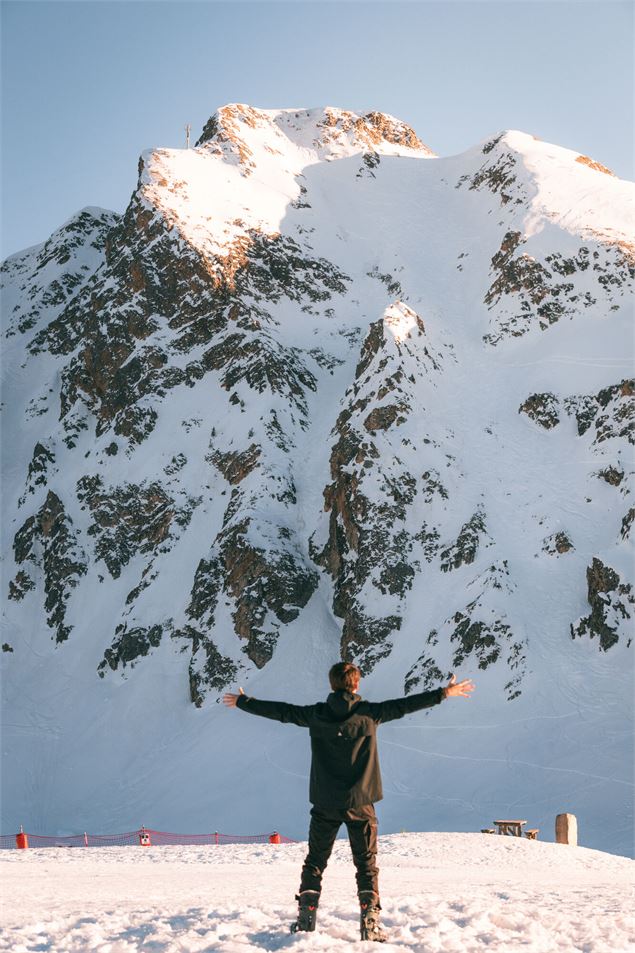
(87, 86)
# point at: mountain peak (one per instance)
(328, 131)
(534, 148)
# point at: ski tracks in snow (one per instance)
(512, 762)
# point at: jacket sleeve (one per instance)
(398, 707)
(279, 711)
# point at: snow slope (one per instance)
(441, 893)
(320, 393)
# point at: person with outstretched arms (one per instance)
(345, 780)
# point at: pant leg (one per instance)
(322, 833)
(361, 824)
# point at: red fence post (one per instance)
(21, 839)
(274, 838)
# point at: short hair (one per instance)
(344, 677)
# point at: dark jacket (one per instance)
(344, 765)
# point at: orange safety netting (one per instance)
(144, 834)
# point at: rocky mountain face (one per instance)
(315, 365)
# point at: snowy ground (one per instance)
(454, 893)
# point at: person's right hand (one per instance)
(230, 700)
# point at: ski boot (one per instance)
(307, 911)
(369, 927)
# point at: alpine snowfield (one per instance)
(321, 394)
(441, 893)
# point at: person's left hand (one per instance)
(230, 700)
(453, 689)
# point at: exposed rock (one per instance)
(39, 468)
(369, 130)
(129, 646)
(19, 586)
(268, 585)
(393, 285)
(131, 518)
(276, 267)
(611, 411)
(263, 582)
(479, 632)
(381, 418)
(47, 541)
(425, 673)
(235, 466)
(596, 166)
(429, 539)
(627, 523)
(463, 550)
(77, 248)
(324, 359)
(432, 485)
(365, 638)
(497, 174)
(223, 132)
(543, 409)
(557, 543)
(371, 161)
(175, 465)
(264, 365)
(477, 637)
(525, 292)
(369, 538)
(208, 670)
(491, 143)
(612, 475)
(121, 365)
(584, 408)
(617, 414)
(611, 602)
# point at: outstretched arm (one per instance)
(279, 711)
(398, 707)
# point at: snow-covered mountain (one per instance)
(320, 393)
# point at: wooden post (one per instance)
(567, 829)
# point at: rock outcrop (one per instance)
(48, 546)
(372, 523)
(612, 604)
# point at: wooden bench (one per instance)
(532, 833)
(487, 830)
(513, 828)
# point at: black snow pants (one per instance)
(361, 823)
